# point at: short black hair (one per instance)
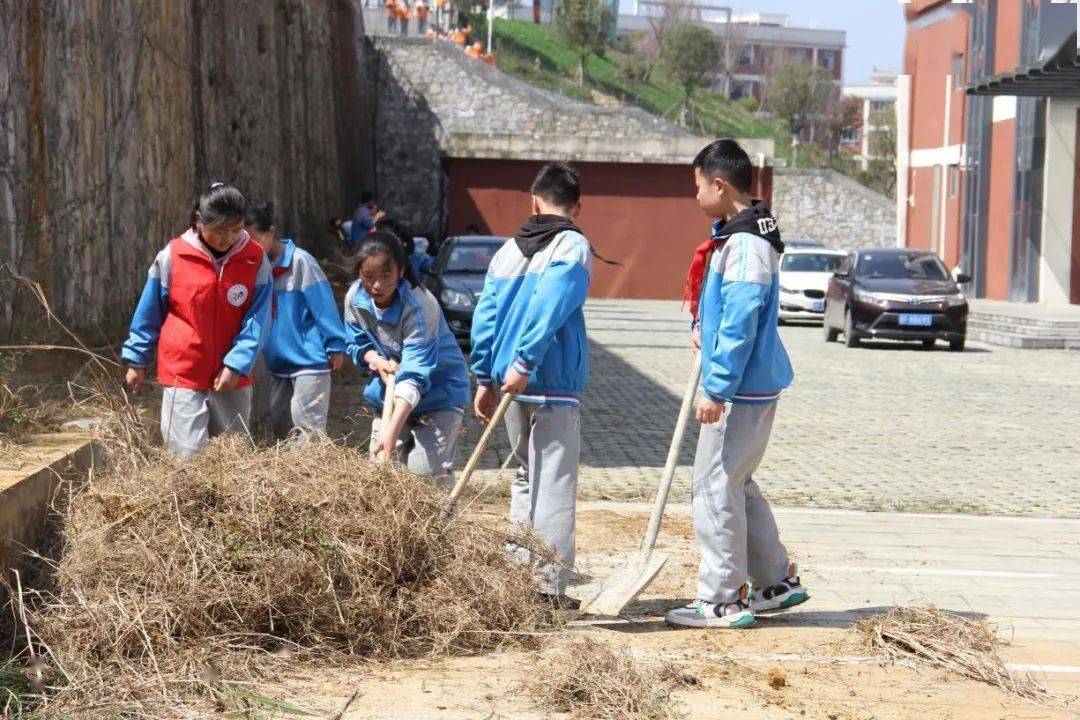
(382, 242)
(260, 217)
(557, 184)
(729, 162)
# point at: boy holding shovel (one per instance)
(528, 339)
(733, 293)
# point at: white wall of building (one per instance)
(1058, 187)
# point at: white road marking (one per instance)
(947, 572)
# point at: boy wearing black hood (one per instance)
(733, 290)
(528, 338)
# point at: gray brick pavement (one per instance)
(885, 427)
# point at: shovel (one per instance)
(474, 460)
(621, 587)
(387, 412)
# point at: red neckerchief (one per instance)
(696, 277)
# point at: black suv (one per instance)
(896, 294)
(457, 277)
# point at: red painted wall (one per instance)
(644, 216)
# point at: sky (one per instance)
(875, 28)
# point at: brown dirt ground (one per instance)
(843, 680)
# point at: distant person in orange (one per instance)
(475, 50)
(391, 16)
(458, 38)
(403, 17)
(488, 59)
(422, 11)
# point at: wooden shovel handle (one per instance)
(474, 460)
(387, 412)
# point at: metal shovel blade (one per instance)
(621, 587)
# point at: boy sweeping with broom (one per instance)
(528, 338)
(733, 292)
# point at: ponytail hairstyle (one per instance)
(219, 203)
(382, 242)
(260, 217)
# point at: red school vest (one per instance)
(205, 313)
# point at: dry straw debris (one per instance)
(594, 681)
(948, 641)
(180, 574)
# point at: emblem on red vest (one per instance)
(237, 295)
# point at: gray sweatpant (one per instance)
(735, 529)
(428, 442)
(191, 417)
(546, 442)
(299, 402)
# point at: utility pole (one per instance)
(491, 21)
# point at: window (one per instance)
(902, 266)
(954, 180)
(742, 89)
(811, 262)
(471, 257)
(827, 59)
(746, 56)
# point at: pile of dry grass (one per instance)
(593, 681)
(184, 573)
(948, 641)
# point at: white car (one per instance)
(804, 277)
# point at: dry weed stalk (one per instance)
(185, 573)
(948, 641)
(593, 681)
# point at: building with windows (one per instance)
(758, 42)
(987, 172)
(878, 96)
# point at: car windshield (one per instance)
(471, 257)
(811, 262)
(901, 266)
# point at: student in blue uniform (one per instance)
(307, 339)
(528, 338)
(394, 324)
(733, 289)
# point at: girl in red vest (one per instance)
(206, 311)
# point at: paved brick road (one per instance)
(991, 430)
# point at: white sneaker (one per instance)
(701, 614)
(785, 594)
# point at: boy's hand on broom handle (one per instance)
(226, 380)
(135, 378)
(484, 404)
(709, 411)
(515, 382)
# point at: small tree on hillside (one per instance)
(799, 94)
(583, 25)
(693, 55)
(882, 169)
(842, 116)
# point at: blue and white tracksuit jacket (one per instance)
(742, 357)
(531, 316)
(306, 326)
(432, 374)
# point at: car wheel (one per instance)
(957, 345)
(928, 344)
(831, 333)
(851, 338)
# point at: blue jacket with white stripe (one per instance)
(432, 374)
(306, 326)
(742, 357)
(531, 316)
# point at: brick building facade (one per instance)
(988, 112)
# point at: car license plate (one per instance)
(818, 306)
(917, 320)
